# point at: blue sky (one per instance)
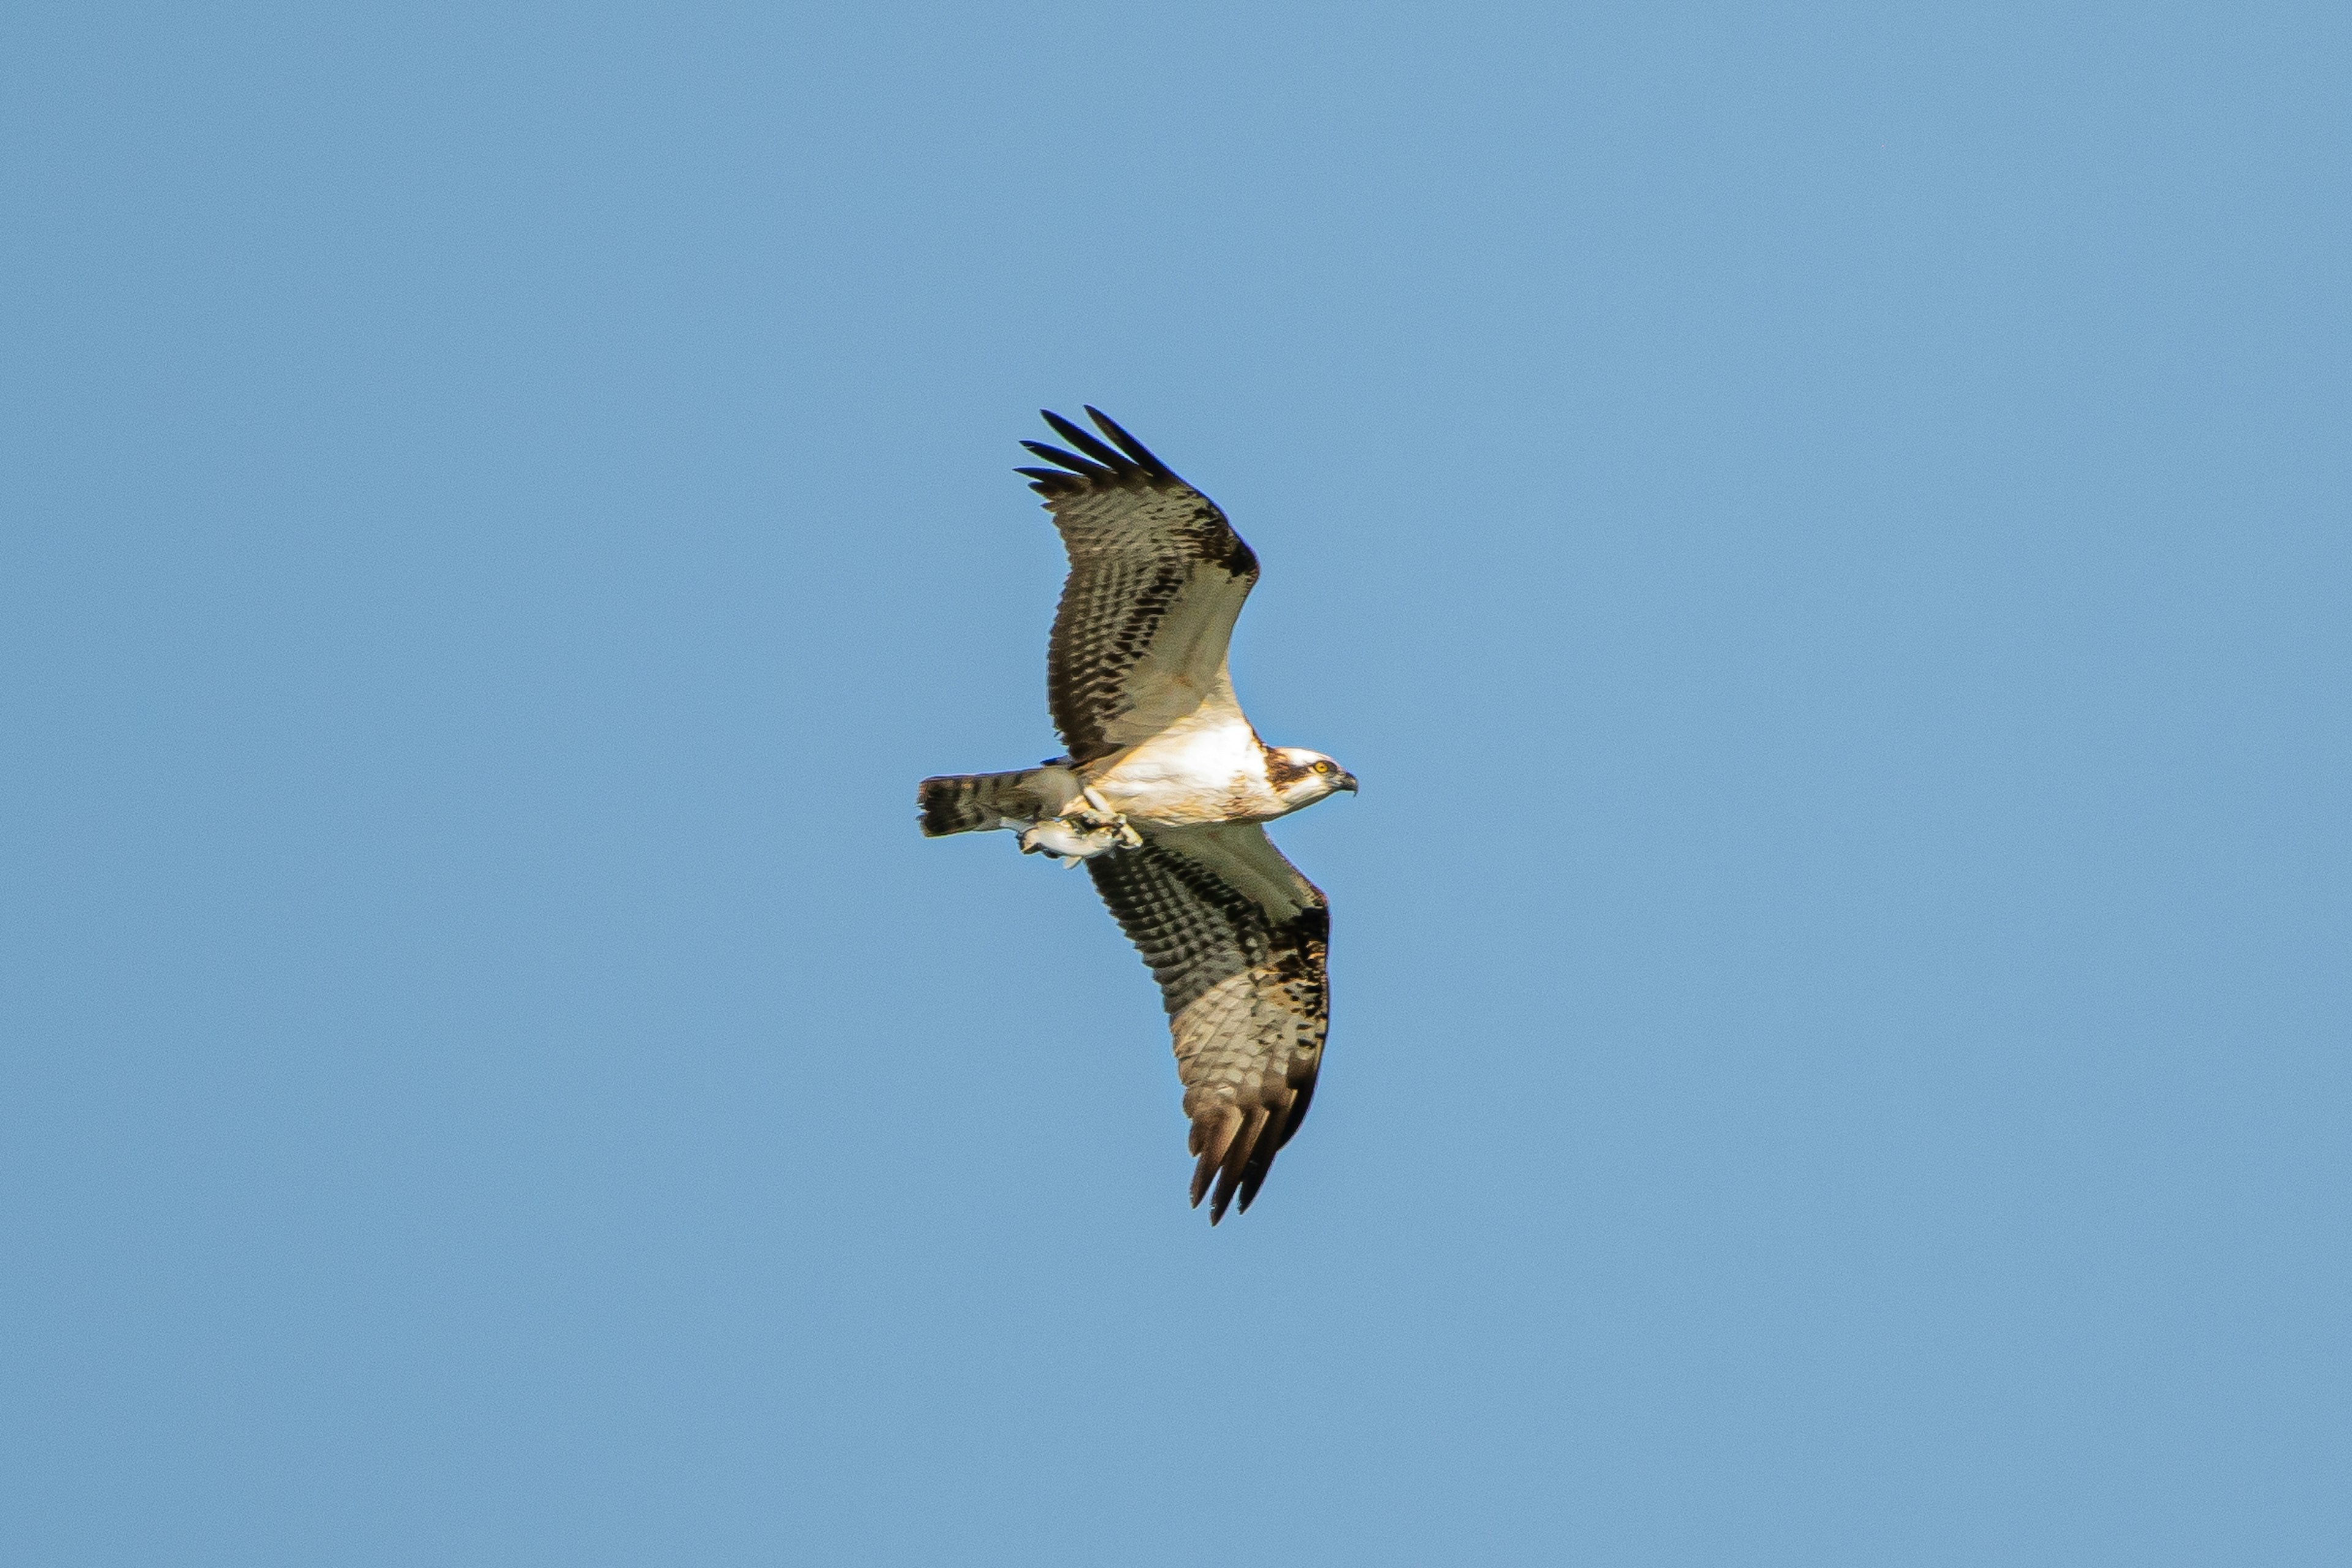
(1821, 530)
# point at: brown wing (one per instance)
(1236, 939)
(1157, 576)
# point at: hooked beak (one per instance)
(1347, 782)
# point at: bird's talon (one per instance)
(1078, 835)
(1111, 826)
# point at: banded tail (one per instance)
(975, 803)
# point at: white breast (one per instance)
(1206, 767)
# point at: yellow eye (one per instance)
(1322, 767)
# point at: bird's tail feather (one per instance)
(973, 803)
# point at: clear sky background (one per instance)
(1822, 529)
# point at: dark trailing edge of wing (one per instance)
(1124, 461)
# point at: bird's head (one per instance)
(1302, 777)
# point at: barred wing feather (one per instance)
(1236, 939)
(1157, 576)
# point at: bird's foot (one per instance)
(1122, 832)
(1102, 815)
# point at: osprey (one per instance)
(1163, 794)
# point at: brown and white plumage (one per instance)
(1164, 791)
(1157, 576)
(1236, 939)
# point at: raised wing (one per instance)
(1157, 576)
(1236, 939)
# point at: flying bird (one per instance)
(1163, 794)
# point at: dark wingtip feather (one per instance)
(1052, 482)
(1261, 1162)
(1069, 460)
(1305, 1097)
(1255, 1177)
(1236, 1164)
(1086, 441)
(1128, 444)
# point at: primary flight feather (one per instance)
(1163, 792)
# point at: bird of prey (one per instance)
(1163, 794)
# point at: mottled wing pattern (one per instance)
(1157, 576)
(1236, 939)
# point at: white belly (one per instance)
(1207, 767)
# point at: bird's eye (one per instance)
(1322, 767)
